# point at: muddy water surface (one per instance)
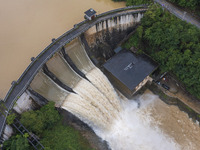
(175, 123)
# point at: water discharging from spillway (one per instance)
(134, 128)
(91, 111)
(118, 121)
(77, 53)
(60, 68)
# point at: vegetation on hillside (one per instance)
(46, 124)
(16, 142)
(64, 137)
(191, 4)
(40, 120)
(173, 43)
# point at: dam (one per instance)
(20, 86)
(65, 74)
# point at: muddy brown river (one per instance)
(174, 123)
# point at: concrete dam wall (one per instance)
(106, 35)
(108, 29)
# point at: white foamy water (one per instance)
(86, 111)
(100, 81)
(134, 131)
(88, 92)
(77, 53)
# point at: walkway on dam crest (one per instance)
(23, 82)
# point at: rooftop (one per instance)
(129, 68)
(90, 12)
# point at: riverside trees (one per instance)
(191, 4)
(173, 43)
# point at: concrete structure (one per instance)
(20, 86)
(129, 72)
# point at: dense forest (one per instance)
(173, 43)
(191, 4)
(47, 124)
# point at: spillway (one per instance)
(77, 53)
(61, 69)
(43, 85)
(84, 107)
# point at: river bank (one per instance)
(181, 101)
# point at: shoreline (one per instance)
(194, 115)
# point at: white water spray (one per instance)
(134, 131)
(88, 92)
(133, 128)
(99, 80)
(86, 111)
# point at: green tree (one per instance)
(64, 137)
(17, 142)
(191, 4)
(37, 121)
(10, 118)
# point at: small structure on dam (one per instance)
(90, 14)
(129, 72)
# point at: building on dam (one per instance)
(129, 72)
(90, 14)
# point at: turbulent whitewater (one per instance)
(133, 130)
